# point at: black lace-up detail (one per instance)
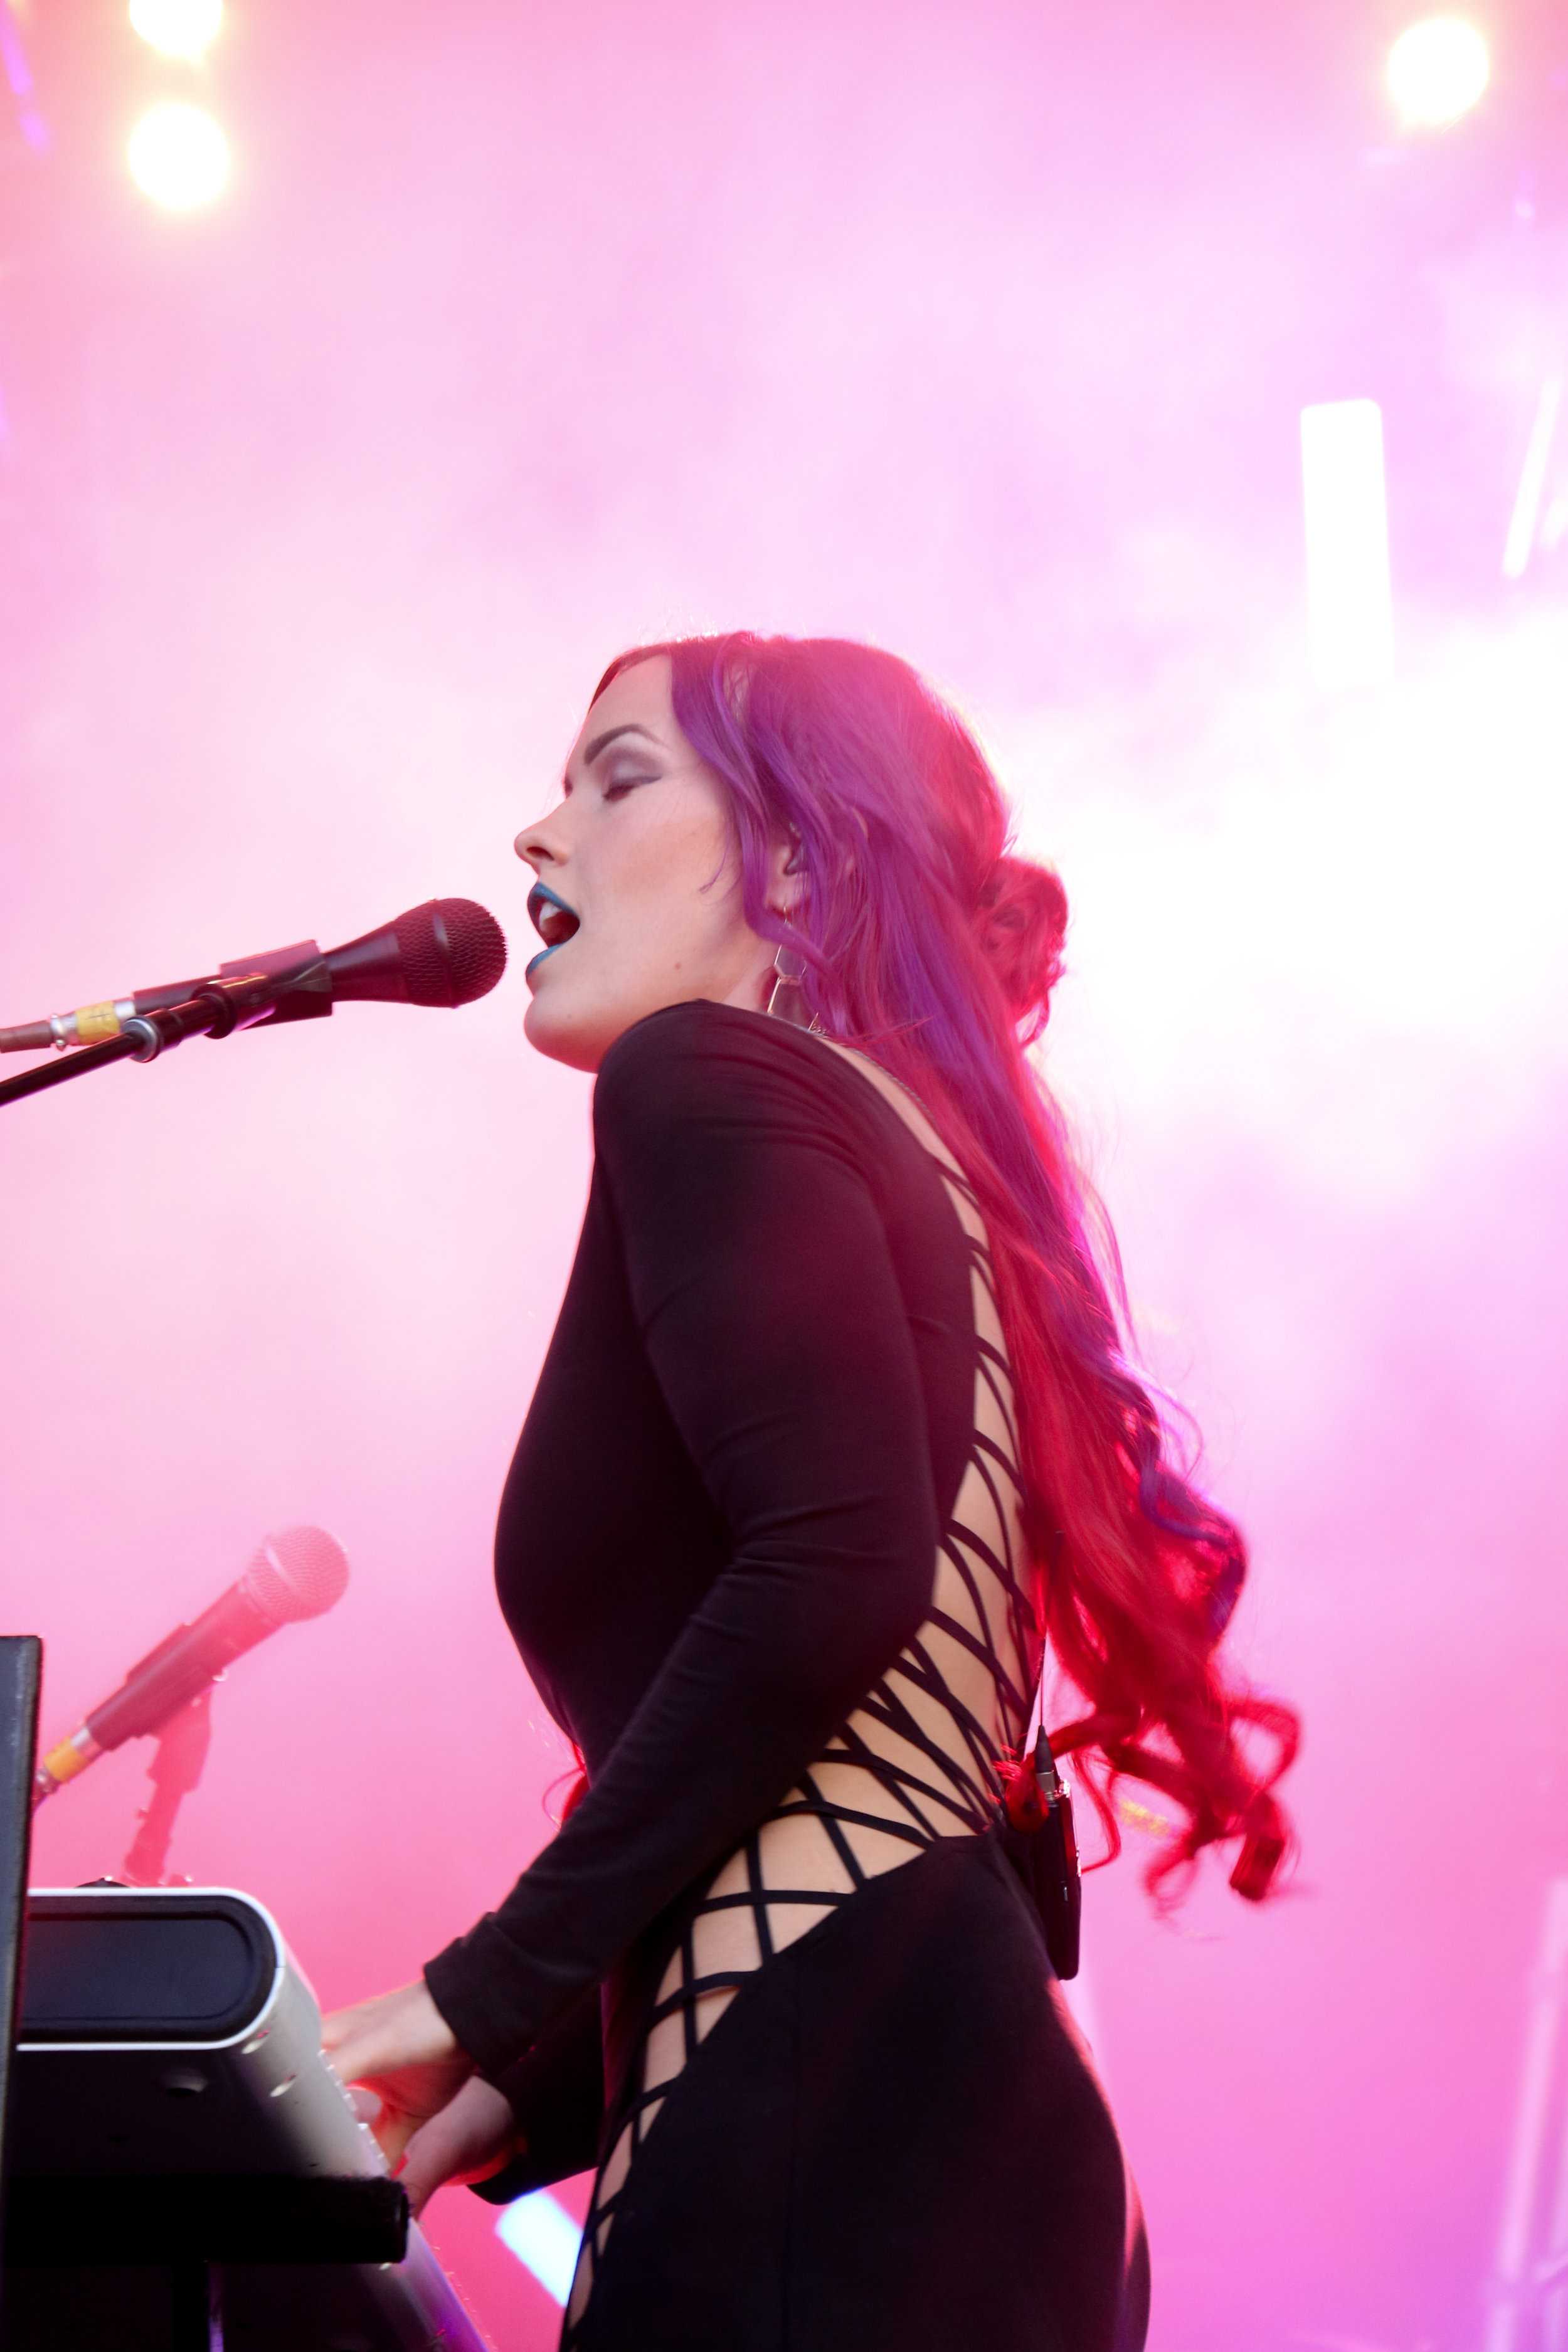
(916, 1761)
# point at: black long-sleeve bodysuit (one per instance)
(731, 1554)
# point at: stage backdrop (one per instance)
(521, 336)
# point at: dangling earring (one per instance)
(787, 1000)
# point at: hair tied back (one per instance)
(1020, 923)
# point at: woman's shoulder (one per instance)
(702, 1090)
(701, 1057)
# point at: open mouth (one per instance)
(552, 918)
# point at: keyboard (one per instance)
(176, 2132)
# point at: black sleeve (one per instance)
(765, 1290)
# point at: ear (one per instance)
(787, 880)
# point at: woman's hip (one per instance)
(893, 2134)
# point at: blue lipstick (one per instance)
(543, 903)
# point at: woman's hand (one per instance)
(474, 2135)
(401, 2048)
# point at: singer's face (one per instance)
(640, 851)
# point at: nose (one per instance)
(540, 844)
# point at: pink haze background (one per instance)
(982, 334)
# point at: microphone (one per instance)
(449, 952)
(299, 1573)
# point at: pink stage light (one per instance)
(1349, 603)
(178, 156)
(1437, 70)
(179, 28)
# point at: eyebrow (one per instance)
(600, 743)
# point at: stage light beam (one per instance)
(178, 156)
(1522, 523)
(1437, 69)
(544, 2238)
(178, 29)
(1349, 598)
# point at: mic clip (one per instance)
(300, 980)
(245, 996)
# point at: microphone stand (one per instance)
(216, 1009)
(175, 1769)
(75, 1065)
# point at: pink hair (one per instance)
(926, 943)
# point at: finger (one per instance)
(360, 2053)
(392, 2132)
(423, 2173)
(428, 2162)
(433, 2159)
(351, 2058)
(340, 2025)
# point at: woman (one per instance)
(834, 1424)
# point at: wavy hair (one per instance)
(928, 945)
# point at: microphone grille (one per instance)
(299, 1573)
(452, 950)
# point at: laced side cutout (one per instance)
(915, 1761)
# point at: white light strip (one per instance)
(1515, 554)
(1350, 615)
(1510, 2315)
(544, 2238)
